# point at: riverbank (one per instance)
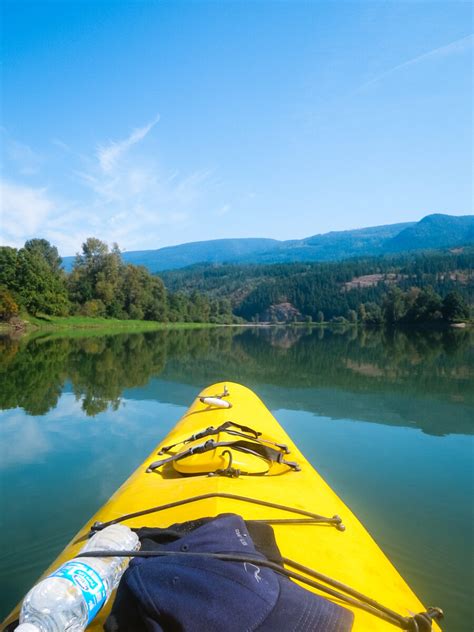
(29, 324)
(80, 325)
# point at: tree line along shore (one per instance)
(101, 290)
(100, 286)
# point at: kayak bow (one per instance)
(229, 455)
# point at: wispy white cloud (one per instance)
(28, 212)
(110, 153)
(133, 197)
(24, 211)
(457, 47)
(120, 195)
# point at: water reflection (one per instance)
(408, 378)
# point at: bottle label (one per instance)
(88, 581)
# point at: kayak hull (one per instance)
(350, 556)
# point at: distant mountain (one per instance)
(173, 257)
(433, 231)
(215, 251)
(331, 246)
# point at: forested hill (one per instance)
(358, 289)
(433, 231)
(403, 288)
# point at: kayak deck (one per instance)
(349, 556)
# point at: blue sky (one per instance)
(155, 123)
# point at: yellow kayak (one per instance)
(228, 454)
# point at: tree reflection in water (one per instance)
(360, 361)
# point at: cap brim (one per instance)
(304, 611)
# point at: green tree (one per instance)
(8, 306)
(94, 308)
(156, 307)
(49, 253)
(425, 308)
(394, 306)
(374, 314)
(41, 284)
(177, 307)
(454, 307)
(225, 310)
(94, 252)
(101, 284)
(352, 316)
(362, 313)
(96, 275)
(8, 267)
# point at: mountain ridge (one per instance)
(432, 231)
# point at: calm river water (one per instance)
(387, 418)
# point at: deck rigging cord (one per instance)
(310, 518)
(243, 431)
(248, 446)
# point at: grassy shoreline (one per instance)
(85, 325)
(31, 324)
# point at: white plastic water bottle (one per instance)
(71, 597)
